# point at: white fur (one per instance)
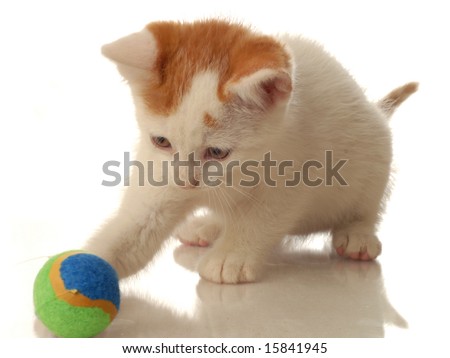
(325, 111)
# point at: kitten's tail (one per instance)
(390, 102)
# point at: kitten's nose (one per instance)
(190, 184)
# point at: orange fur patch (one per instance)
(232, 50)
(210, 121)
(396, 97)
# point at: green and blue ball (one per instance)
(76, 294)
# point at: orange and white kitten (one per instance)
(291, 143)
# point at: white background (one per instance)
(64, 111)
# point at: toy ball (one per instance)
(76, 294)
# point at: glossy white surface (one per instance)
(64, 113)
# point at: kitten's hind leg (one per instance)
(357, 241)
(199, 230)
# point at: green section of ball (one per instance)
(42, 290)
(60, 317)
(68, 321)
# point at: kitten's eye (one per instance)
(161, 142)
(216, 153)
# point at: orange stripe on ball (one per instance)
(74, 297)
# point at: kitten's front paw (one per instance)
(357, 246)
(198, 231)
(228, 267)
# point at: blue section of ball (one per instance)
(92, 276)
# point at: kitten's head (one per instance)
(210, 88)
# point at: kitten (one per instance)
(291, 143)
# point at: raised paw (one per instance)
(356, 246)
(198, 231)
(228, 267)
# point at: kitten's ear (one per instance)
(265, 89)
(134, 54)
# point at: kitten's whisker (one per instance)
(249, 196)
(226, 196)
(231, 206)
(227, 208)
(216, 196)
